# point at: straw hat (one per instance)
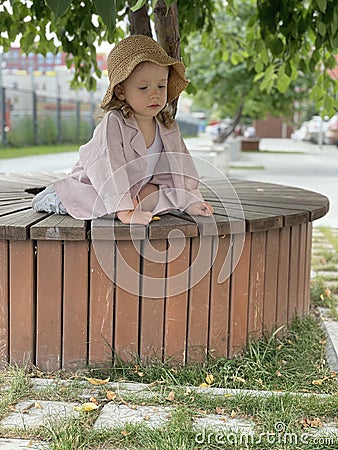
(133, 50)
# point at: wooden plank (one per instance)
(75, 305)
(4, 310)
(256, 284)
(154, 254)
(21, 302)
(101, 302)
(6, 208)
(301, 269)
(168, 224)
(49, 305)
(239, 301)
(110, 229)
(293, 273)
(306, 306)
(59, 227)
(127, 299)
(220, 297)
(16, 226)
(283, 276)
(271, 280)
(176, 306)
(198, 307)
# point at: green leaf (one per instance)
(321, 5)
(138, 5)
(259, 66)
(107, 11)
(321, 28)
(283, 82)
(58, 6)
(277, 47)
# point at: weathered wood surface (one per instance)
(67, 298)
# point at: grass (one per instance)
(288, 362)
(9, 152)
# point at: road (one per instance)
(280, 161)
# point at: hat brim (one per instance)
(176, 81)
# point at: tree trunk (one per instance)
(168, 34)
(228, 131)
(139, 20)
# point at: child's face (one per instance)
(145, 90)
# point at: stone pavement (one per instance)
(34, 413)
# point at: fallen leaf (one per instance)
(37, 405)
(146, 418)
(97, 381)
(311, 423)
(171, 396)
(209, 378)
(239, 379)
(320, 382)
(233, 414)
(187, 391)
(93, 400)
(327, 292)
(204, 385)
(111, 395)
(156, 218)
(125, 433)
(86, 407)
(278, 373)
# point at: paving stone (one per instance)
(226, 423)
(19, 444)
(113, 416)
(34, 413)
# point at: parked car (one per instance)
(315, 126)
(331, 133)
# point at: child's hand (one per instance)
(135, 217)
(200, 209)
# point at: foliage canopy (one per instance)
(274, 43)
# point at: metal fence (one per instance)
(30, 118)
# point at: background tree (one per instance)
(278, 40)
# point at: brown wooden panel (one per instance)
(239, 301)
(49, 305)
(101, 302)
(176, 306)
(283, 276)
(4, 324)
(271, 280)
(22, 307)
(153, 298)
(306, 306)
(127, 301)
(293, 273)
(256, 284)
(219, 298)
(301, 269)
(75, 304)
(198, 309)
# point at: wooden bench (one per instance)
(68, 298)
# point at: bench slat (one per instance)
(16, 226)
(59, 227)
